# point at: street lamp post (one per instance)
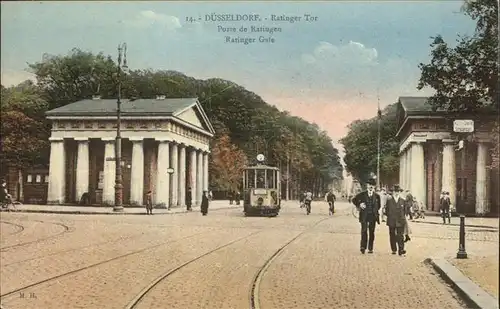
(122, 52)
(379, 118)
(170, 171)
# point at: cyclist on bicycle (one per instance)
(307, 200)
(5, 197)
(330, 198)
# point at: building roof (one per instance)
(421, 106)
(413, 105)
(107, 107)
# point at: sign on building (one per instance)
(463, 126)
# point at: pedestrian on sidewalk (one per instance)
(409, 204)
(445, 205)
(149, 203)
(330, 198)
(231, 197)
(204, 203)
(189, 196)
(237, 198)
(396, 218)
(368, 204)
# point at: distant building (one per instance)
(431, 163)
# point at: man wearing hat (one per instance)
(368, 204)
(445, 206)
(396, 220)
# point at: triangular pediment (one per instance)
(195, 116)
(190, 116)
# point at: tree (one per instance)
(465, 77)
(24, 130)
(78, 75)
(228, 162)
(360, 145)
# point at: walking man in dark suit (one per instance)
(368, 204)
(396, 220)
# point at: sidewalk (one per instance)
(102, 210)
(475, 279)
(491, 223)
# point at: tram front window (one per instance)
(261, 179)
(270, 179)
(250, 179)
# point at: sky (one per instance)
(330, 68)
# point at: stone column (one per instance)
(137, 172)
(57, 173)
(109, 171)
(175, 175)
(409, 176)
(449, 178)
(405, 171)
(205, 171)
(401, 169)
(182, 175)
(163, 178)
(192, 172)
(82, 167)
(418, 172)
(482, 196)
(199, 174)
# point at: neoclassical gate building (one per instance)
(157, 134)
(431, 163)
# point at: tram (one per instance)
(261, 189)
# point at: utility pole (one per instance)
(379, 118)
(122, 52)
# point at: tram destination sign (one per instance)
(463, 126)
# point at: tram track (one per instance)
(139, 297)
(57, 277)
(66, 229)
(19, 227)
(255, 285)
(73, 249)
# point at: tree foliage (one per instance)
(24, 129)
(360, 145)
(227, 166)
(465, 77)
(245, 124)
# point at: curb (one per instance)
(456, 224)
(470, 292)
(77, 212)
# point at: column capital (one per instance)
(81, 139)
(56, 139)
(108, 139)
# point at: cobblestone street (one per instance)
(223, 260)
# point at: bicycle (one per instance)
(10, 204)
(308, 207)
